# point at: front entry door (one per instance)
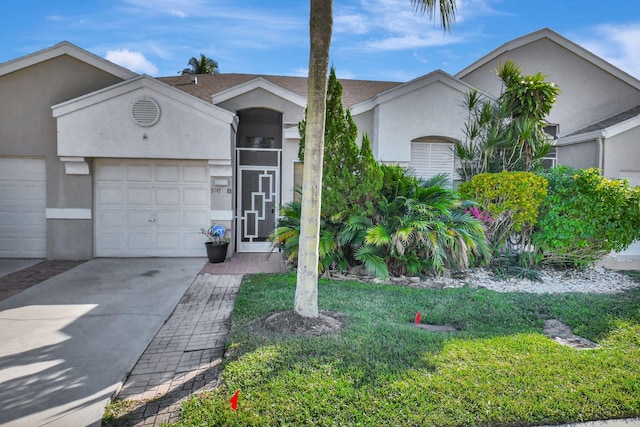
(258, 200)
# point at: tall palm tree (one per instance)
(320, 27)
(204, 65)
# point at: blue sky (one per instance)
(372, 39)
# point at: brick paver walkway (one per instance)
(185, 355)
(16, 282)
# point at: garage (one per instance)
(151, 208)
(23, 226)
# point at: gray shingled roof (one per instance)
(353, 91)
(611, 121)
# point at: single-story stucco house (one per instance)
(98, 161)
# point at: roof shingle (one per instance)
(611, 121)
(353, 91)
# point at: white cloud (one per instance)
(420, 58)
(410, 41)
(345, 75)
(173, 7)
(350, 22)
(134, 61)
(396, 26)
(617, 44)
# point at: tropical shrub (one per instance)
(423, 231)
(512, 201)
(338, 241)
(379, 216)
(585, 216)
(418, 228)
(507, 133)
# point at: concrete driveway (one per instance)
(67, 343)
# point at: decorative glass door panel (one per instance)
(258, 201)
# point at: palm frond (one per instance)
(373, 262)
(378, 235)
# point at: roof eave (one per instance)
(410, 86)
(66, 48)
(144, 80)
(258, 83)
(562, 41)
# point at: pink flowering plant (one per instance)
(215, 235)
(482, 216)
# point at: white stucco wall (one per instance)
(107, 129)
(364, 122)
(433, 110)
(589, 94)
(260, 98)
(580, 156)
(622, 156)
(27, 129)
(292, 114)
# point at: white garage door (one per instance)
(151, 208)
(23, 226)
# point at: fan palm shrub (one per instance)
(420, 227)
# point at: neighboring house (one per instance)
(97, 161)
(598, 112)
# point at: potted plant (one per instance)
(216, 244)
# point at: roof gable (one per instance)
(66, 48)
(560, 40)
(259, 83)
(143, 81)
(437, 76)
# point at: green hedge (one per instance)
(512, 200)
(585, 216)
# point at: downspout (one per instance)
(600, 142)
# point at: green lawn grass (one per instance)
(498, 369)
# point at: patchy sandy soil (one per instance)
(291, 323)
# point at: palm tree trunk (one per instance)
(320, 27)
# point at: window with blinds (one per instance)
(429, 159)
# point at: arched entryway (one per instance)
(258, 166)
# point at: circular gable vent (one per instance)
(145, 112)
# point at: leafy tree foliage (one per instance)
(202, 65)
(507, 134)
(320, 28)
(379, 216)
(585, 216)
(351, 177)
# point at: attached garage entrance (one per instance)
(23, 226)
(148, 208)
